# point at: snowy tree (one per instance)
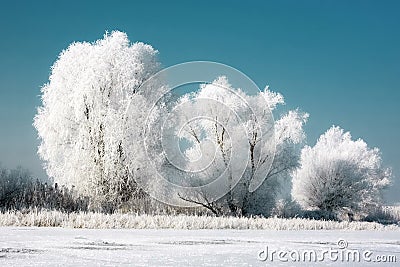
(93, 108)
(237, 144)
(339, 176)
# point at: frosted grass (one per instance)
(92, 220)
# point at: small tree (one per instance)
(339, 176)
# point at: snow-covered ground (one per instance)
(31, 246)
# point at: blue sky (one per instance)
(337, 60)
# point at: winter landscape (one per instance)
(132, 156)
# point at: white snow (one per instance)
(31, 246)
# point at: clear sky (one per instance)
(337, 60)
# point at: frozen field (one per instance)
(30, 246)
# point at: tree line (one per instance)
(112, 136)
(19, 191)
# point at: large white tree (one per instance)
(339, 176)
(230, 136)
(90, 121)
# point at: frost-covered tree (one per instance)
(237, 140)
(339, 176)
(90, 121)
